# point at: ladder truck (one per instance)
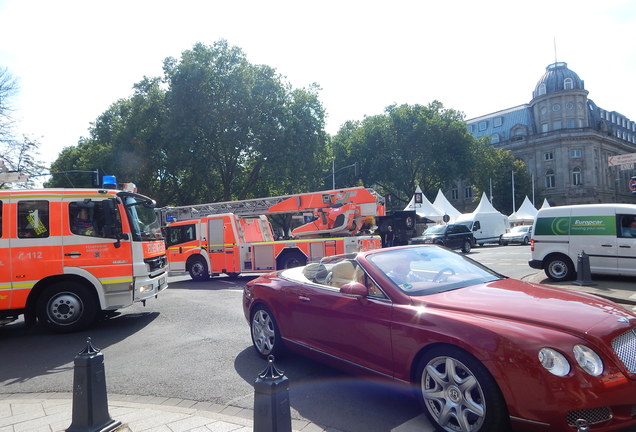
(236, 237)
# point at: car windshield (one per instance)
(520, 229)
(427, 270)
(436, 229)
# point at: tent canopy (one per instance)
(525, 214)
(425, 208)
(445, 207)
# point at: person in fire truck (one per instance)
(83, 224)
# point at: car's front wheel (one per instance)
(265, 334)
(459, 394)
(466, 247)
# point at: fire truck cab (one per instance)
(68, 256)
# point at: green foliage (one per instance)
(214, 128)
(407, 146)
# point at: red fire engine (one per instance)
(236, 237)
(68, 256)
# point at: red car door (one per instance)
(351, 328)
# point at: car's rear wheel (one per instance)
(265, 334)
(526, 241)
(559, 268)
(459, 394)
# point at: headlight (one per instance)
(554, 362)
(588, 360)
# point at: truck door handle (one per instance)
(606, 245)
(72, 254)
(303, 298)
(625, 246)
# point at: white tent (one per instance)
(546, 204)
(424, 208)
(524, 215)
(444, 207)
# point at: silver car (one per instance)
(519, 234)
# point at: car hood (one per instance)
(515, 300)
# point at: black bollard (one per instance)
(90, 403)
(583, 273)
(271, 400)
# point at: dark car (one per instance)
(484, 352)
(452, 236)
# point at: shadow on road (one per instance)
(334, 399)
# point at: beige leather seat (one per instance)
(341, 273)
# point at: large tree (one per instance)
(408, 145)
(215, 128)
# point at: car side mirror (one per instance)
(354, 289)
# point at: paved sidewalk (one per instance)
(46, 412)
(52, 412)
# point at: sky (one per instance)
(73, 59)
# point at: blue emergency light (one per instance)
(109, 182)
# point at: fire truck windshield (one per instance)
(144, 223)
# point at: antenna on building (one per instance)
(555, 51)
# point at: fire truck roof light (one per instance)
(109, 182)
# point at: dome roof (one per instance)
(554, 79)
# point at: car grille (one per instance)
(593, 416)
(156, 263)
(625, 348)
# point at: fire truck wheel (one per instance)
(66, 307)
(198, 269)
(291, 259)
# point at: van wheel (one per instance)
(66, 307)
(466, 246)
(559, 268)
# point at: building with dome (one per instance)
(565, 139)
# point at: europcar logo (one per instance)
(581, 225)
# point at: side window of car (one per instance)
(33, 219)
(627, 226)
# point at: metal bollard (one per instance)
(583, 273)
(90, 403)
(272, 412)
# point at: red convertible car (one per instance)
(484, 352)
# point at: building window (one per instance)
(468, 192)
(549, 179)
(556, 125)
(497, 121)
(576, 153)
(548, 156)
(482, 126)
(544, 127)
(454, 194)
(494, 139)
(570, 123)
(576, 177)
(568, 84)
(541, 89)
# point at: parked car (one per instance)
(520, 234)
(452, 236)
(484, 352)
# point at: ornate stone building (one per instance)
(565, 139)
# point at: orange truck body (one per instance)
(66, 277)
(226, 243)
